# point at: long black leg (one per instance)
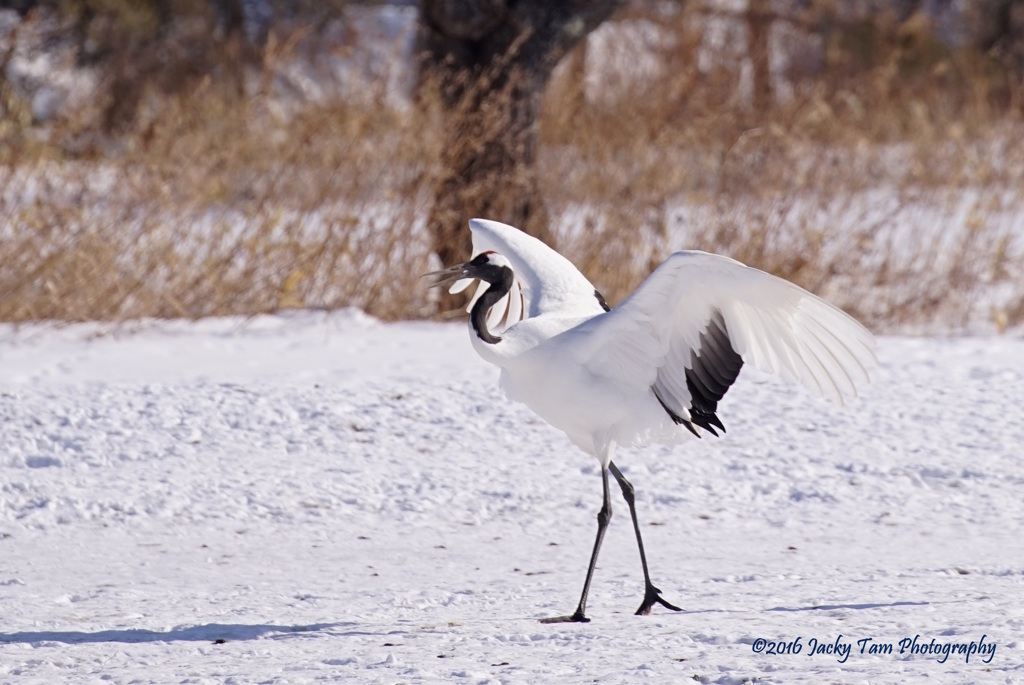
(603, 518)
(652, 595)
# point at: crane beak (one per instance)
(447, 276)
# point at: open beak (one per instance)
(447, 276)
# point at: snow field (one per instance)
(324, 498)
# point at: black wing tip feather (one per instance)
(714, 367)
(676, 418)
(708, 421)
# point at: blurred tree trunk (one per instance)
(486, 63)
(759, 19)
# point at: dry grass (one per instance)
(221, 212)
(889, 180)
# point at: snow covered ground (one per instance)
(324, 498)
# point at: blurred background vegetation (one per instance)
(208, 157)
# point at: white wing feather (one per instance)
(774, 325)
(545, 281)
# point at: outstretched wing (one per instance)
(545, 281)
(687, 330)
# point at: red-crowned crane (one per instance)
(657, 363)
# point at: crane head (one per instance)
(486, 266)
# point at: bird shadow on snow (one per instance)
(832, 607)
(211, 632)
(814, 607)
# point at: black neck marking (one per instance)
(500, 278)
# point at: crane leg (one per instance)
(603, 518)
(652, 595)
